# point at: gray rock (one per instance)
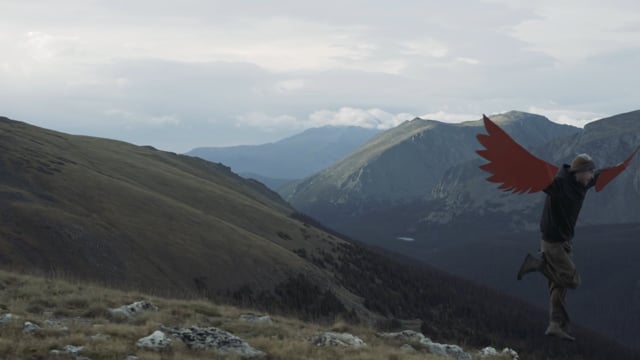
(512, 353)
(100, 337)
(158, 341)
(133, 310)
(488, 351)
(337, 339)
(223, 342)
(7, 318)
(72, 350)
(256, 319)
(406, 348)
(409, 336)
(131, 357)
(57, 325)
(452, 351)
(30, 328)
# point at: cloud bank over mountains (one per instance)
(181, 74)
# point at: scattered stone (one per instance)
(337, 339)
(256, 319)
(30, 328)
(132, 310)
(488, 351)
(100, 337)
(491, 351)
(7, 318)
(453, 351)
(223, 342)
(510, 352)
(406, 348)
(416, 338)
(68, 350)
(405, 335)
(158, 341)
(131, 357)
(57, 326)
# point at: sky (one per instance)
(183, 74)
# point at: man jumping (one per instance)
(519, 171)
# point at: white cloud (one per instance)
(267, 122)
(289, 85)
(466, 60)
(567, 116)
(450, 117)
(130, 119)
(347, 116)
(572, 31)
(426, 48)
(177, 64)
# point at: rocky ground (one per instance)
(55, 319)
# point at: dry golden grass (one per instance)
(84, 310)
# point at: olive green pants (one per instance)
(559, 269)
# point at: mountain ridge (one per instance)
(290, 158)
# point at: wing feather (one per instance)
(511, 165)
(608, 174)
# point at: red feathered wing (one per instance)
(608, 174)
(512, 165)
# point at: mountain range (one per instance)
(138, 218)
(420, 192)
(295, 157)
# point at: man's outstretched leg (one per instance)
(561, 272)
(558, 316)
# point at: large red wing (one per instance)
(608, 174)
(512, 165)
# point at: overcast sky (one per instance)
(182, 74)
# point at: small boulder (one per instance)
(337, 339)
(488, 351)
(132, 310)
(223, 342)
(512, 353)
(57, 326)
(256, 319)
(70, 351)
(453, 351)
(158, 341)
(30, 328)
(406, 348)
(409, 336)
(6, 318)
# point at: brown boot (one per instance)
(556, 330)
(530, 264)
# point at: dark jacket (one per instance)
(562, 206)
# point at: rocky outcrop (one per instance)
(256, 319)
(223, 342)
(158, 341)
(132, 310)
(424, 343)
(489, 352)
(337, 339)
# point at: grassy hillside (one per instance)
(84, 310)
(124, 214)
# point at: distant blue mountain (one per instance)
(294, 157)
